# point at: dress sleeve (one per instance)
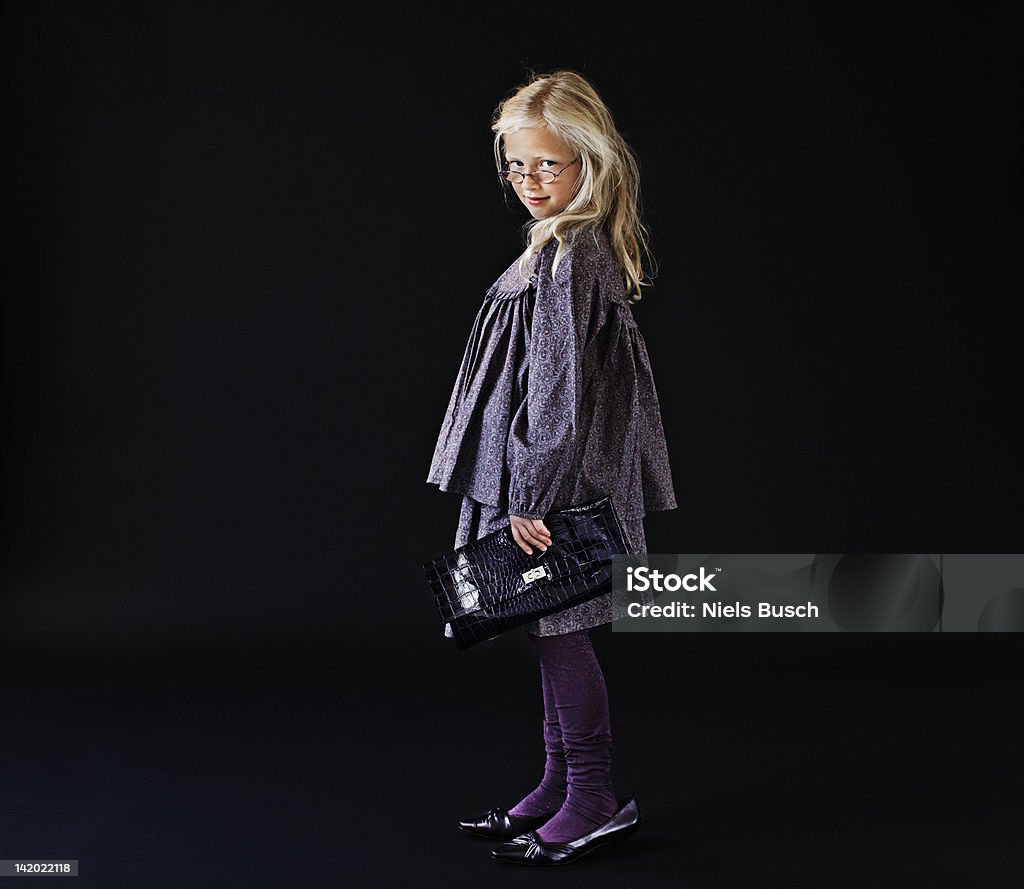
(543, 434)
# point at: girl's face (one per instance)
(535, 150)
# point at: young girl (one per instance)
(555, 405)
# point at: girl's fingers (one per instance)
(538, 535)
(519, 539)
(533, 536)
(530, 531)
(529, 538)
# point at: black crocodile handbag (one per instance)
(490, 586)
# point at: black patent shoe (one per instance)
(497, 824)
(529, 849)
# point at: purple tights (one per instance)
(577, 740)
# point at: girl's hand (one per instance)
(527, 531)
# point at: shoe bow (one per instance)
(535, 847)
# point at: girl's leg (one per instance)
(550, 794)
(581, 702)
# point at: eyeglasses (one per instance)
(545, 177)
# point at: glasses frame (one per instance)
(504, 172)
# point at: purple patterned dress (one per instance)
(554, 405)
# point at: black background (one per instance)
(244, 247)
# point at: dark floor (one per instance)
(845, 761)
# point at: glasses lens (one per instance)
(544, 176)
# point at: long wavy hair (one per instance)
(607, 188)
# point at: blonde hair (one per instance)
(607, 189)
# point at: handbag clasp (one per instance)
(535, 574)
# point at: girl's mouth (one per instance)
(536, 200)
